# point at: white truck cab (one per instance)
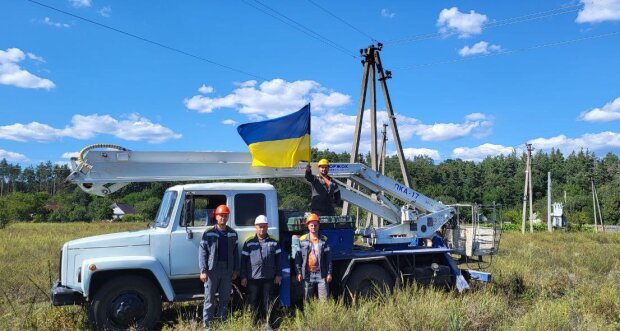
(164, 257)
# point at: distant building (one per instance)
(121, 209)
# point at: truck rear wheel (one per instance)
(366, 280)
(124, 302)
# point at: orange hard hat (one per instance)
(222, 209)
(312, 217)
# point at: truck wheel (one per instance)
(366, 280)
(124, 302)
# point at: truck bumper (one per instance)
(62, 296)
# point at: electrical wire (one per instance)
(516, 50)
(343, 21)
(170, 48)
(494, 24)
(298, 26)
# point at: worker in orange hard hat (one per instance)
(218, 260)
(313, 261)
(325, 191)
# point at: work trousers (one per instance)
(260, 296)
(314, 284)
(220, 281)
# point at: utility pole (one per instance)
(529, 165)
(383, 145)
(549, 227)
(527, 189)
(372, 64)
(594, 205)
(598, 207)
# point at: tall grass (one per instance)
(541, 281)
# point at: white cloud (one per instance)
(335, 130)
(249, 83)
(49, 22)
(609, 112)
(12, 156)
(80, 3)
(452, 21)
(387, 13)
(476, 124)
(134, 128)
(481, 47)
(596, 11)
(68, 155)
(411, 153)
(330, 128)
(12, 74)
(204, 89)
(35, 57)
(105, 11)
(229, 122)
(602, 141)
(271, 99)
(478, 153)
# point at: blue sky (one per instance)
(470, 79)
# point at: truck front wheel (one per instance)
(366, 280)
(124, 302)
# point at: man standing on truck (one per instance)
(313, 261)
(260, 268)
(325, 191)
(218, 260)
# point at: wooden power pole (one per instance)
(372, 66)
(527, 189)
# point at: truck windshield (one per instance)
(165, 209)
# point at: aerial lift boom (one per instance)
(103, 172)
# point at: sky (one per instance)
(470, 79)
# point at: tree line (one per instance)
(39, 193)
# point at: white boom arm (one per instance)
(104, 172)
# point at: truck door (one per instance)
(197, 216)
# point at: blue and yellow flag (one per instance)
(280, 142)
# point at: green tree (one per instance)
(4, 215)
(148, 208)
(78, 214)
(4, 173)
(100, 209)
(23, 206)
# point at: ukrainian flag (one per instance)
(280, 142)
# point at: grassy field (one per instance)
(560, 281)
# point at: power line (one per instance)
(298, 26)
(505, 52)
(170, 48)
(343, 21)
(494, 24)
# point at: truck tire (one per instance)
(126, 302)
(366, 280)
